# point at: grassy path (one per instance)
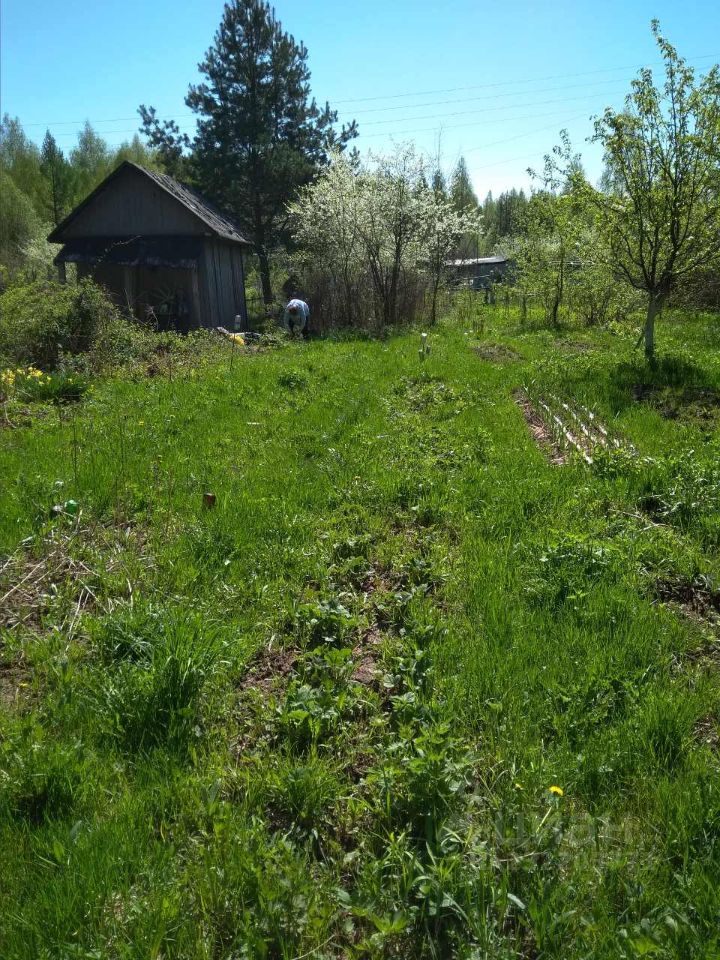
(406, 690)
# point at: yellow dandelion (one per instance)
(558, 791)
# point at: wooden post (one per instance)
(62, 275)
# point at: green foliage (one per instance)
(62, 387)
(59, 177)
(19, 223)
(155, 699)
(40, 780)
(261, 136)
(659, 217)
(422, 782)
(374, 239)
(51, 182)
(41, 320)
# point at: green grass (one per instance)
(322, 717)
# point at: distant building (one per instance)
(159, 248)
(479, 271)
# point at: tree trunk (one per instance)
(655, 305)
(264, 269)
(433, 309)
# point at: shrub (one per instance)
(32, 384)
(42, 319)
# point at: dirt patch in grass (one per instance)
(365, 657)
(269, 669)
(697, 598)
(689, 404)
(572, 346)
(70, 562)
(707, 731)
(539, 431)
(21, 417)
(14, 684)
(497, 353)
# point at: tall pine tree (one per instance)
(461, 189)
(465, 202)
(58, 176)
(260, 136)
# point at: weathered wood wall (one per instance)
(135, 206)
(136, 288)
(222, 284)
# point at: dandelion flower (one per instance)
(558, 791)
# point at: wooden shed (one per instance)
(159, 248)
(478, 271)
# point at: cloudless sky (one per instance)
(494, 82)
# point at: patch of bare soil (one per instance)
(269, 669)
(497, 353)
(70, 559)
(707, 731)
(688, 404)
(22, 417)
(539, 431)
(365, 657)
(572, 346)
(14, 684)
(697, 598)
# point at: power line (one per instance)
(413, 106)
(459, 126)
(486, 86)
(489, 96)
(437, 116)
(403, 132)
(417, 93)
(484, 110)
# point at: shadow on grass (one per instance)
(664, 371)
(670, 383)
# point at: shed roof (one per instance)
(218, 223)
(475, 261)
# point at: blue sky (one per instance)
(494, 82)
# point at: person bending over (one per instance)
(297, 314)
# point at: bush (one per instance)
(31, 384)
(41, 320)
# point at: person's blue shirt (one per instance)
(297, 312)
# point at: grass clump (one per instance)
(152, 697)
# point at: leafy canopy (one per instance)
(260, 135)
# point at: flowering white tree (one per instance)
(373, 231)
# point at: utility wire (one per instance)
(560, 120)
(414, 106)
(417, 93)
(487, 86)
(437, 116)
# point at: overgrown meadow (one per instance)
(406, 684)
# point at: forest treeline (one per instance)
(40, 185)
